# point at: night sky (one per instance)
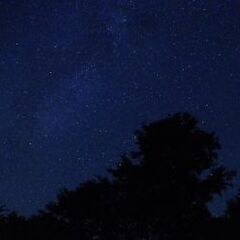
(77, 77)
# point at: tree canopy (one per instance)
(160, 191)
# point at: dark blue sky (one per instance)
(77, 77)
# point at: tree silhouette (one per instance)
(229, 224)
(160, 191)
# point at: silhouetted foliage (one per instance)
(160, 191)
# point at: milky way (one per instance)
(78, 77)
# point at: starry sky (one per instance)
(77, 77)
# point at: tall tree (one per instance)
(160, 191)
